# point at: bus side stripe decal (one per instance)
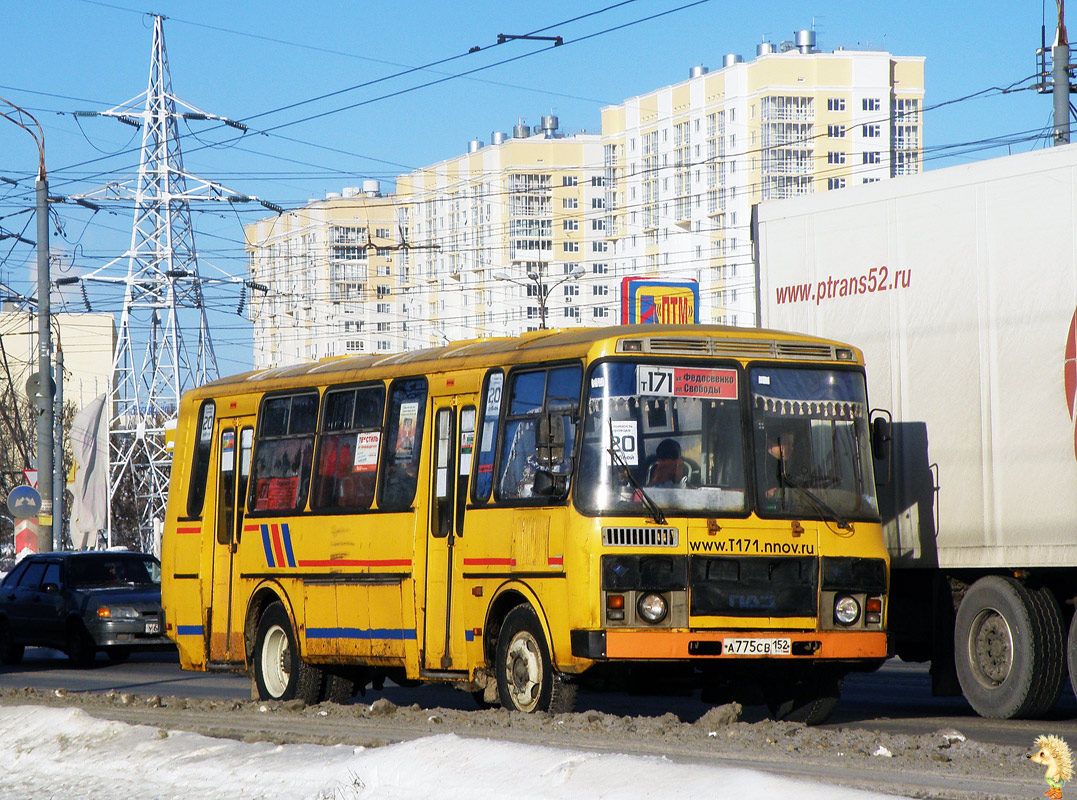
(276, 545)
(287, 532)
(396, 634)
(267, 546)
(189, 630)
(344, 562)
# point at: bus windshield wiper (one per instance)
(618, 457)
(819, 503)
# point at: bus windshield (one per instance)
(811, 443)
(673, 433)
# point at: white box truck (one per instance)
(960, 286)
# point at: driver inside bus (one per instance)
(668, 469)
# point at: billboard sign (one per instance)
(650, 301)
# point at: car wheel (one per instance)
(10, 653)
(279, 672)
(81, 648)
(525, 675)
(117, 655)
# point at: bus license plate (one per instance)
(756, 647)
(153, 627)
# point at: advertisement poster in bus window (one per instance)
(228, 451)
(366, 451)
(405, 431)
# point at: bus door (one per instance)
(450, 470)
(235, 439)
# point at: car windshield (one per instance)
(676, 436)
(113, 571)
(811, 445)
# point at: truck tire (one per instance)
(279, 671)
(1052, 635)
(1000, 649)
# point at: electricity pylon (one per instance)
(164, 346)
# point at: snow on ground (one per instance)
(66, 753)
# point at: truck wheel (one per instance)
(810, 698)
(525, 676)
(1052, 635)
(1000, 650)
(279, 672)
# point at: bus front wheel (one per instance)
(279, 672)
(525, 676)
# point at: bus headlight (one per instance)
(652, 607)
(846, 610)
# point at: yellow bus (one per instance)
(513, 515)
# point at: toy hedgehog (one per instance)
(1053, 753)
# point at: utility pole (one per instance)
(44, 336)
(1059, 85)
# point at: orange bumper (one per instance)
(683, 645)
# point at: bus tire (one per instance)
(1051, 634)
(999, 649)
(525, 676)
(279, 672)
(810, 698)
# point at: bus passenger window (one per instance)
(403, 443)
(483, 481)
(283, 453)
(196, 493)
(348, 446)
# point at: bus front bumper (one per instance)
(657, 645)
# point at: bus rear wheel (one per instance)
(279, 672)
(525, 676)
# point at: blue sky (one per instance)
(243, 59)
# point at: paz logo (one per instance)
(1053, 753)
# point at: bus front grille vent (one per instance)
(672, 345)
(806, 351)
(639, 537)
(745, 349)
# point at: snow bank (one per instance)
(66, 753)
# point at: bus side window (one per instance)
(348, 446)
(403, 444)
(196, 492)
(283, 451)
(483, 481)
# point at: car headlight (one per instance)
(652, 607)
(117, 612)
(846, 610)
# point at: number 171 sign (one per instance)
(686, 382)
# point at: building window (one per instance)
(871, 180)
(569, 180)
(383, 308)
(835, 183)
(600, 312)
(570, 247)
(835, 104)
(872, 131)
(570, 202)
(571, 224)
(873, 158)
(835, 158)
(384, 252)
(835, 131)
(598, 180)
(383, 233)
(600, 291)
(872, 104)
(599, 247)
(384, 291)
(571, 291)
(598, 224)
(598, 202)
(600, 269)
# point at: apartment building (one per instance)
(538, 228)
(685, 164)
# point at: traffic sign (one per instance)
(24, 502)
(31, 477)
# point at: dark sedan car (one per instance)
(81, 603)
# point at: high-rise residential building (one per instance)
(539, 228)
(685, 164)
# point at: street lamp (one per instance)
(541, 287)
(49, 482)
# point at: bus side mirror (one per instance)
(881, 441)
